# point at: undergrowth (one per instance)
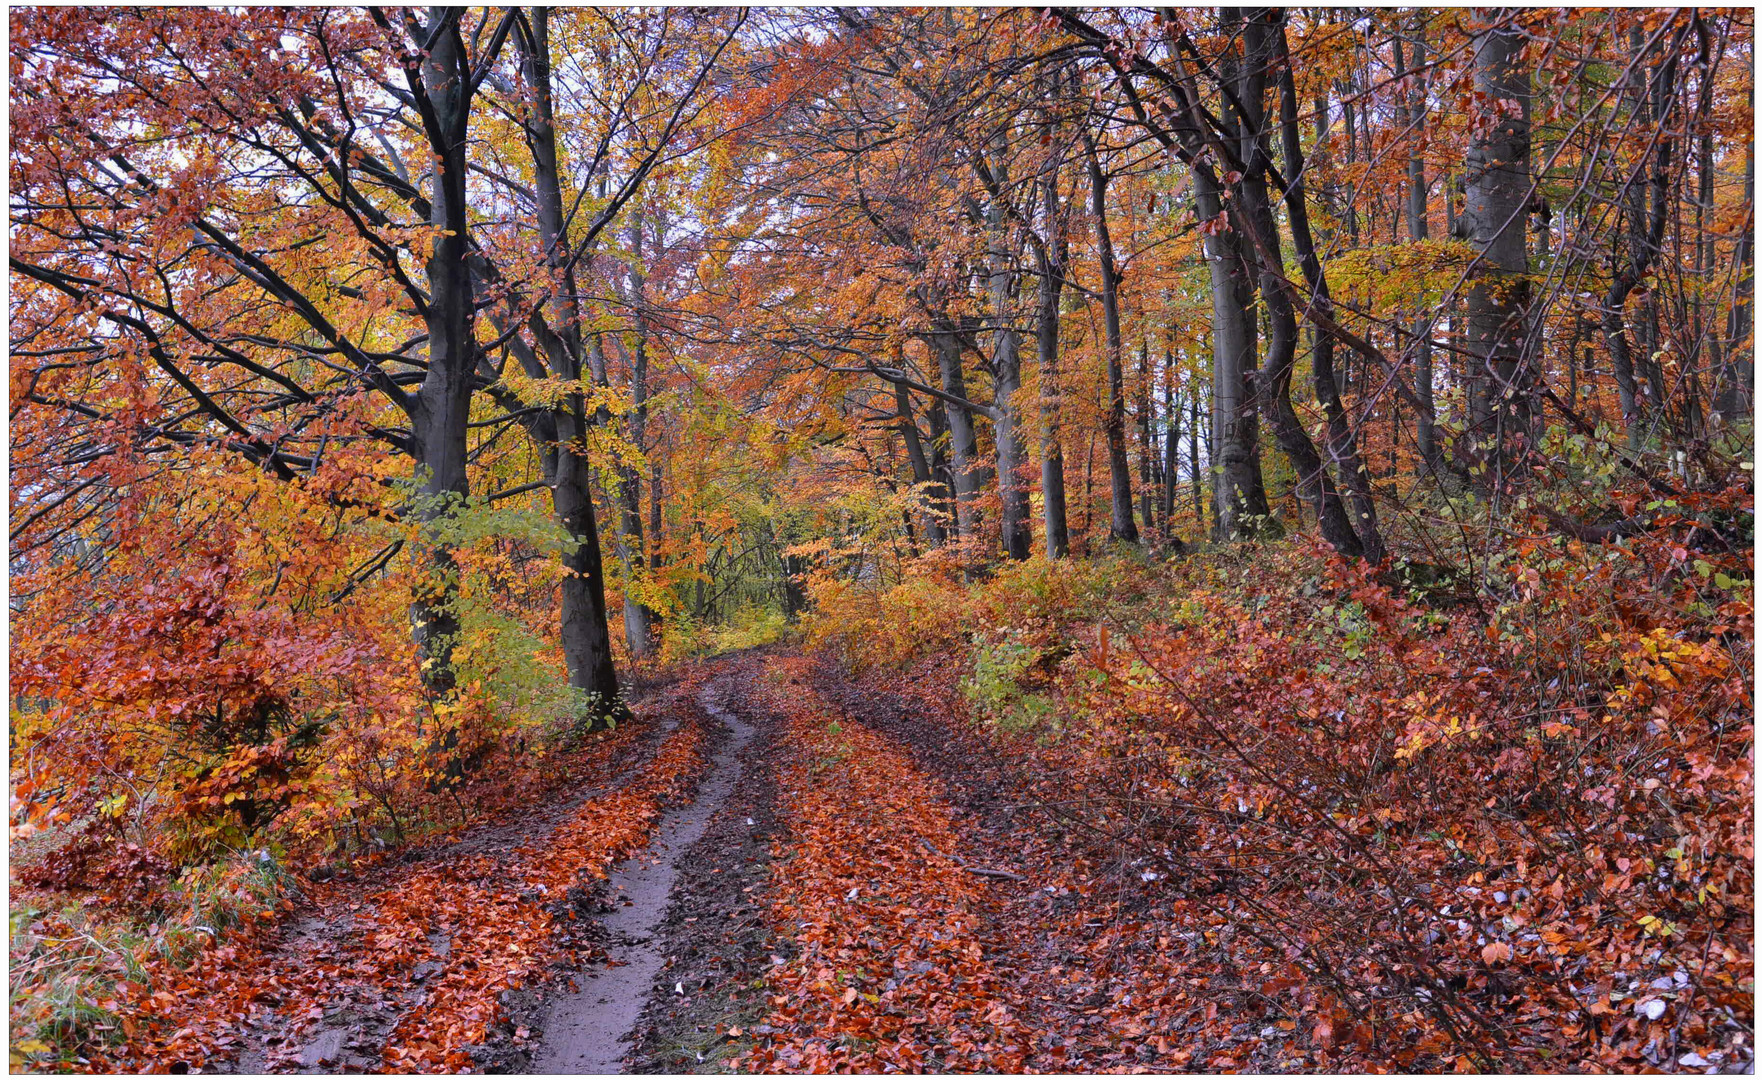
(1509, 827)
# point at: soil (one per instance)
(708, 999)
(350, 1036)
(587, 1030)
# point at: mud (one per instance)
(587, 1030)
(716, 932)
(347, 1033)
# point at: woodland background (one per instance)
(1315, 443)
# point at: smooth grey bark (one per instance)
(1121, 525)
(1149, 455)
(1006, 372)
(640, 621)
(921, 475)
(1274, 390)
(1240, 492)
(963, 444)
(1200, 498)
(586, 640)
(1233, 354)
(1494, 215)
(1342, 444)
(1052, 253)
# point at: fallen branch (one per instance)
(981, 871)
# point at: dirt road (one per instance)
(588, 1031)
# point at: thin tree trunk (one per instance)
(1737, 381)
(640, 621)
(1053, 255)
(1122, 525)
(1418, 231)
(1342, 445)
(1171, 444)
(1006, 368)
(1274, 392)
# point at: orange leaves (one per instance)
(439, 943)
(1310, 770)
(889, 974)
(500, 941)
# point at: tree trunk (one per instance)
(1239, 492)
(1052, 255)
(442, 406)
(587, 647)
(1737, 382)
(1418, 231)
(1149, 459)
(1494, 216)
(1342, 444)
(921, 474)
(1121, 526)
(1006, 369)
(641, 622)
(1274, 391)
(963, 438)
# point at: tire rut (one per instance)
(588, 1030)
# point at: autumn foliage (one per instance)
(1305, 457)
(1519, 838)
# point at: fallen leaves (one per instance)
(889, 974)
(441, 941)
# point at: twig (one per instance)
(982, 871)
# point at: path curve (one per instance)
(587, 1030)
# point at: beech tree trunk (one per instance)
(1239, 493)
(1053, 254)
(1645, 236)
(1737, 383)
(921, 474)
(1274, 391)
(1418, 231)
(586, 639)
(641, 622)
(1006, 370)
(1494, 216)
(1122, 525)
(442, 405)
(963, 437)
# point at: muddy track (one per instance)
(352, 1028)
(716, 932)
(588, 1029)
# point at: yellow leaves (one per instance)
(551, 392)
(1425, 730)
(1656, 927)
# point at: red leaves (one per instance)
(889, 975)
(1308, 772)
(440, 942)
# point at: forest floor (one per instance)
(778, 868)
(828, 880)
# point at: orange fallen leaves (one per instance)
(477, 926)
(889, 974)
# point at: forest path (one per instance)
(588, 1030)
